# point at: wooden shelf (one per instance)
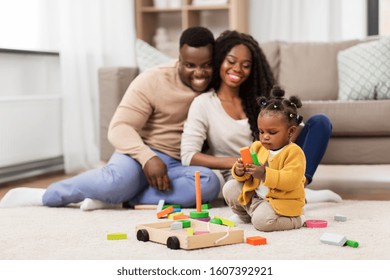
(149, 18)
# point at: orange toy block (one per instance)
(246, 155)
(256, 240)
(165, 212)
(181, 217)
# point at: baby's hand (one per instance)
(256, 171)
(239, 169)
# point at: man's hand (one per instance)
(156, 173)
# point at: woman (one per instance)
(222, 121)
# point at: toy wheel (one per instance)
(173, 243)
(143, 235)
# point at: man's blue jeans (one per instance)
(123, 179)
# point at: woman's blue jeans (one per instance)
(313, 139)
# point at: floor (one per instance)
(42, 181)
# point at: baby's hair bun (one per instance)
(277, 92)
(262, 101)
(296, 101)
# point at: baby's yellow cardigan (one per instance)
(285, 178)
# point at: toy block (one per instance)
(173, 214)
(200, 232)
(116, 236)
(145, 207)
(246, 155)
(256, 240)
(186, 223)
(340, 218)
(206, 206)
(255, 159)
(180, 217)
(164, 212)
(160, 205)
(226, 222)
(173, 205)
(199, 214)
(176, 210)
(190, 231)
(176, 225)
(316, 223)
(351, 243)
(333, 239)
(216, 220)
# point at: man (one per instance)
(146, 132)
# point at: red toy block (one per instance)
(165, 212)
(256, 240)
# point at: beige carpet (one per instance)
(40, 233)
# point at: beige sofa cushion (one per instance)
(364, 71)
(353, 118)
(113, 82)
(298, 63)
(271, 52)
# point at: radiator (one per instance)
(30, 136)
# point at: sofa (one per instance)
(357, 162)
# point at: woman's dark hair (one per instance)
(276, 102)
(260, 80)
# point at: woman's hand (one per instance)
(156, 173)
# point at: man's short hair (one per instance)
(196, 37)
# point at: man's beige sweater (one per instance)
(151, 114)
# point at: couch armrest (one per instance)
(113, 82)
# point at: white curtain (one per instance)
(307, 20)
(91, 34)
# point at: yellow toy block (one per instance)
(172, 215)
(116, 236)
(190, 231)
(226, 222)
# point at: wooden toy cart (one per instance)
(217, 235)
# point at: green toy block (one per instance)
(186, 223)
(206, 206)
(216, 220)
(226, 222)
(175, 206)
(351, 243)
(254, 158)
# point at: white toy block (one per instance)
(176, 225)
(333, 239)
(340, 218)
(160, 205)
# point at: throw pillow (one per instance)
(148, 56)
(364, 71)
